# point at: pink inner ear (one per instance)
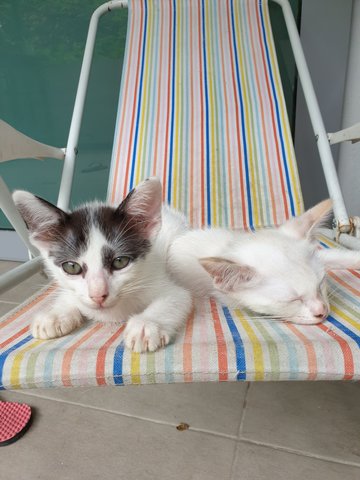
(228, 276)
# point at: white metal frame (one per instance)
(344, 224)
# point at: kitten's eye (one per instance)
(120, 262)
(72, 268)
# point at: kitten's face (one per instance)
(98, 252)
(276, 272)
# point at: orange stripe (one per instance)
(27, 307)
(65, 375)
(238, 136)
(187, 349)
(220, 341)
(310, 351)
(15, 336)
(346, 351)
(121, 124)
(128, 158)
(345, 284)
(100, 361)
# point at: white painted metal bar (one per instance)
(14, 144)
(346, 240)
(327, 161)
(72, 144)
(350, 134)
(7, 205)
(20, 273)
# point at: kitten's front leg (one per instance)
(156, 326)
(60, 320)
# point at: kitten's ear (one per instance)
(144, 204)
(339, 259)
(228, 276)
(304, 225)
(39, 215)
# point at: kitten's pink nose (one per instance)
(319, 309)
(99, 299)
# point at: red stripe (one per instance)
(187, 349)
(66, 365)
(15, 336)
(346, 351)
(100, 360)
(220, 341)
(310, 351)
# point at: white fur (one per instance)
(280, 272)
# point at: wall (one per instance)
(349, 156)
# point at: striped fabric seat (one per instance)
(201, 107)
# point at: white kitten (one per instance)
(110, 264)
(278, 271)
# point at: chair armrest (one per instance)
(14, 144)
(351, 134)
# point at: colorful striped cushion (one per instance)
(201, 107)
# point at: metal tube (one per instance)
(72, 144)
(8, 207)
(20, 273)
(327, 161)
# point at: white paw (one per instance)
(55, 324)
(141, 335)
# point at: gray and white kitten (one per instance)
(110, 265)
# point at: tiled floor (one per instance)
(237, 431)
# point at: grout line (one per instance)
(128, 415)
(243, 411)
(299, 453)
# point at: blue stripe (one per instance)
(208, 183)
(169, 364)
(239, 346)
(238, 81)
(172, 107)
(277, 113)
(139, 101)
(118, 364)
(4, 355)
(344, 329)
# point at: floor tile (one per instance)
(215, 407)
(6, 265)
(25, 289)
(260, 463)
(321, 418)
(68, 442)
(6, 307)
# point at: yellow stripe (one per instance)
(135, 368)
(246, 95)
(256, 344)
(345, 317)
(15, 369)
(295, 183)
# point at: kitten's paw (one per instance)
(55, 324)
(144, 336)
